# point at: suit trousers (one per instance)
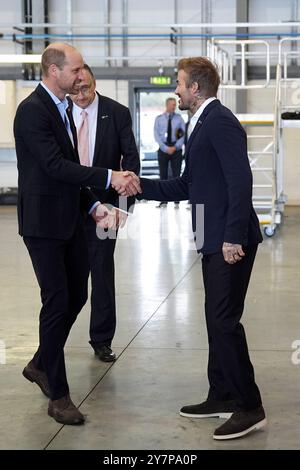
(230, 372)
(61, 268)
(175, 162)
(102, 268)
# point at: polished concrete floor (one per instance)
(160, 341)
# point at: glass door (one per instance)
(149, 103)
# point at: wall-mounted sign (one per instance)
(161, 80)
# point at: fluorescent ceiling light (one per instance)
(20, 58)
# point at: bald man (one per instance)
(53, 187)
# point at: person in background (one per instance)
(169, 131)
(106, 140)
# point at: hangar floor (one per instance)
(160, 341)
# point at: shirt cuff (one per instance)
(108, 178)
(96, 204)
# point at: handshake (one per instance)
(126, 183)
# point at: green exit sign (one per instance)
(160, 80)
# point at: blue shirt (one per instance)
(161, 130)
(61, 106)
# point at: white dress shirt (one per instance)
(194, 119)
(92, 112)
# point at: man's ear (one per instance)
(195, 88)
(52, 70)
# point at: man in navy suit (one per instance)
(53, 187)
(111, 145)
(218, 176)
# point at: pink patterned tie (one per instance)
(83, 140)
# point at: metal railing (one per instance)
(226, 61)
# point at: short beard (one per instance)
(183, 107)
(74, 90)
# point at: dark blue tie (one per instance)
(169, 131)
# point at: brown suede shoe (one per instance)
(37, 376)
(64, 411)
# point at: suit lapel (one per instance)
(51, 106)
(103, 121)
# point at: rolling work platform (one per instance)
(259, 128)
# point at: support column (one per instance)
(242, 16)
(294, 14)
(107, 43)
(125, 31)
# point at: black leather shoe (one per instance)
(105, 353)
(37, 376)
(241, 423)
(210, 409)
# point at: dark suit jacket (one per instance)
(217, 175)
(115, 145)
(50, 176)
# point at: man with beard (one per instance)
(218, 177)
(52, 188)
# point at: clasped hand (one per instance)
(109, 217)
(126, 183)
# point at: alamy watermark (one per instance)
(295, 357)
(135, 229)
(295, 93)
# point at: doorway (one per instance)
(149, 103)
